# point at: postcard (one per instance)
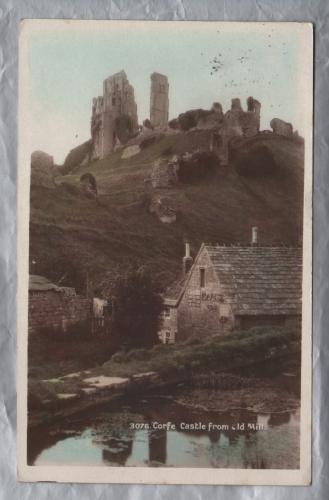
(165, 252)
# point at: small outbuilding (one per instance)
(53, 307)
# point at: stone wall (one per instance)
(164, 173)
(238, 122)
(56, 310)
(202, 310)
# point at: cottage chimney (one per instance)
(254, 235)
(187, 259)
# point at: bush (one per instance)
(200, 165)
(162, 348)
(193, 340)
(257, 162)
(137, 307)
(119, 357)
(138, 355)
(38, 393)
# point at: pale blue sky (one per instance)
(69, 61)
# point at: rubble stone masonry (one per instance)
(55, 310)
(203, 310)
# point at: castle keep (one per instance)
(114, 115)
(114, 120)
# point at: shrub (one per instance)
(138, 355)
(259, 161)
(193, 340)
(38, 393)
(119, 357)
(162, 348)
(200, 165)
(137, 307)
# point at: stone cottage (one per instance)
(231, 287)
(54, 307)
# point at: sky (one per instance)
(67, 62)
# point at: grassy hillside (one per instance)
(72, 234)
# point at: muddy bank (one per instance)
(262, 399)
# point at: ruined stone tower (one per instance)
(114, 115)
(159, 102)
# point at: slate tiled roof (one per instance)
(259, 280)
(174, 290)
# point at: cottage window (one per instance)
(202, 277)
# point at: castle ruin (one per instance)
(114, 115)
(114, 118)
(159, 101)
(235, 123)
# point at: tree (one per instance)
(136, 312)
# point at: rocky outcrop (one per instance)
(186, 168)
(80, 155)
(189, 119)
(43, 170)
(281, 127)
(163, 207)
(130, 151)
(88, 185)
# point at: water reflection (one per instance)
(116, 451)
(241, 439)
(157, 446)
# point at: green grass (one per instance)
(117, 230)
(210, 354)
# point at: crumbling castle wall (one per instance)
(238, 122)
(159, 101)
(281, 127)
(164, 173)
(114, 115)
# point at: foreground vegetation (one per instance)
(179, 361)
(216, 353)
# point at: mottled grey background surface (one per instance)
(11, 11)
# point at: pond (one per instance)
(157, 431)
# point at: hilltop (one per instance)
(72, 234)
